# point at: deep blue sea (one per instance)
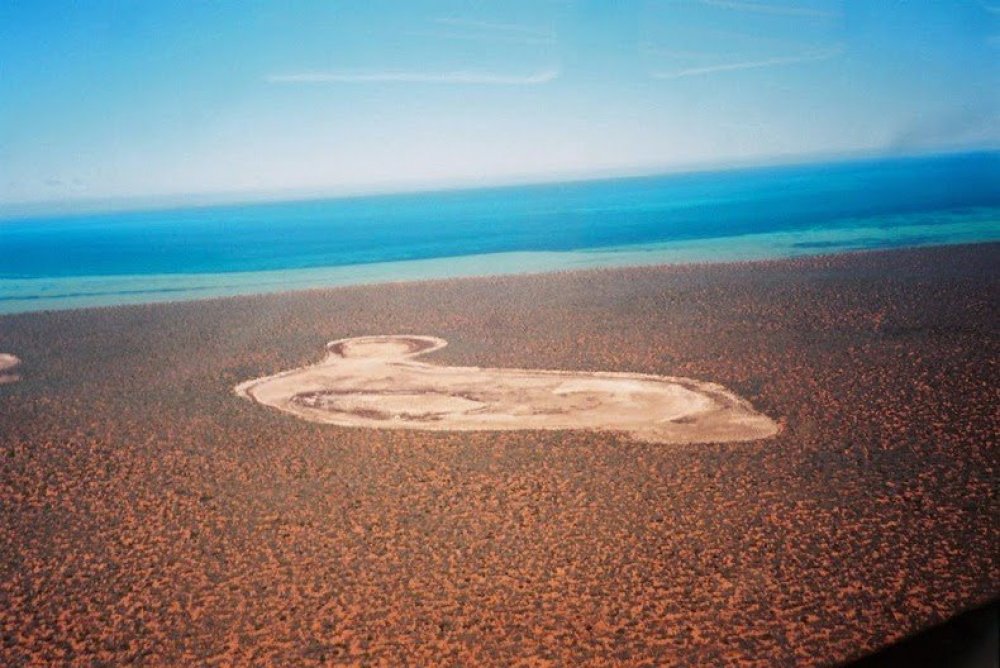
(71, 261)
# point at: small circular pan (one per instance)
(383, 347)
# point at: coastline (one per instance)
(173, 503)
(911, 231)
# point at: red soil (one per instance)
(149, 515)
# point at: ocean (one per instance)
(74, 261)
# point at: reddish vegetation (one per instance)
(147, 514)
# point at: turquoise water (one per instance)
(137, 257)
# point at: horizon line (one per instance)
(115, 204)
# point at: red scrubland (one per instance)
(149, 515)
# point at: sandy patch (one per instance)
(375, 381)
(8, 361)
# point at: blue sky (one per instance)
(145, 99)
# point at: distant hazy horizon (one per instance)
(111, 103)
(169, 201)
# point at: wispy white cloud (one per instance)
(446, 28)
(678, 54)
(469, 30)
(768, 8)
(493, 27)
(812, 56)
(460, 77)
(499, 38)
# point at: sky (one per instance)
(107, 100)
